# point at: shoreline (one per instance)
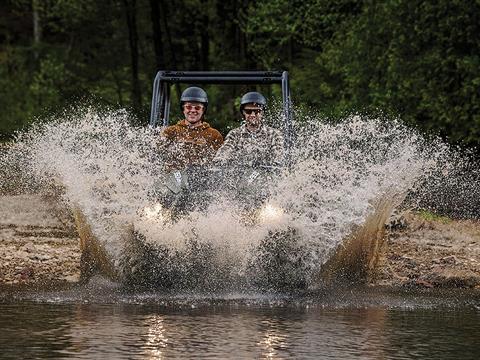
(39, 248)
(431, 252)
(38, 244)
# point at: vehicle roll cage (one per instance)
(160, 110)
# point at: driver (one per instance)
(192, 141)
(253, 143)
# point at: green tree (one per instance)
(419, 59)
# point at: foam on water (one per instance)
(339, 172)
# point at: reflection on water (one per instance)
(151, 326)
(156, 339)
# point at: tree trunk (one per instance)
(250, 62)
(131, 12)
(241, 41)
(172, 64)
(157, 35)
(37, 29)
(205, 41)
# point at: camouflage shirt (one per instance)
(247, 148)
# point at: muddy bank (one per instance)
(38, 243)
(429, 251)
(39, 246)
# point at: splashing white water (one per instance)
(108, 169)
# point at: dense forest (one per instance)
(419, 60)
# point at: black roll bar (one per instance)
(160, 110)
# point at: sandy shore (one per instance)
(40, 247)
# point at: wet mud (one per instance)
(39, 247)
(438, 252)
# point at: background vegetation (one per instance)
(416, 59)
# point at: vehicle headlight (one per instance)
(155, 212)
(270, 212)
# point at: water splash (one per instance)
(340, 172)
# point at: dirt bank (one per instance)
(39, 246)
(429, 251)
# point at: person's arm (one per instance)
(164, 140)
(227, 150)
(278, 150)
(165, 145)
(215, 139)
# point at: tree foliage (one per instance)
(416, 59)
(419, 59)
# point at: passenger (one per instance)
(191, 141)
(253, 143)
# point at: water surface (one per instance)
(106, 323)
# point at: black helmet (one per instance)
(194, 93)
(253, 97)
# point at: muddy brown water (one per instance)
(102, 322)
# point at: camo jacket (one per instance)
(247, 148)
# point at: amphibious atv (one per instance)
(173, 191)
(356, 258)
(171, 197)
